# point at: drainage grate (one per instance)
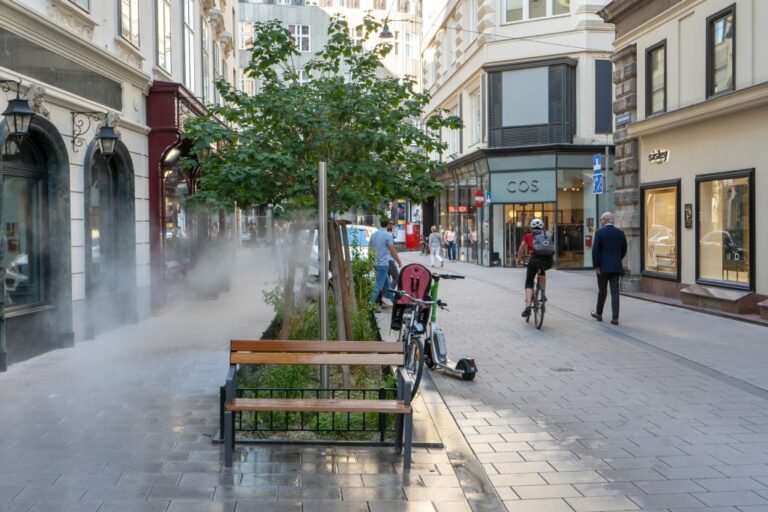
(709, 303)
(561, 369)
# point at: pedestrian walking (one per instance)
(449, 236)
(609, 246)
(383, 246)
(434, 243)
(394, 271)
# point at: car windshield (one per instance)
(357, 237)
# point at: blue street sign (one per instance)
(487, 198)
(597, 163)
(597, 183)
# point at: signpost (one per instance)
(598, 182)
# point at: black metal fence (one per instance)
(347, 426)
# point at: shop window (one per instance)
(103, 220)
(656, 79)
(661, 221)
(725, 229)
(21, 251)
(721, 37)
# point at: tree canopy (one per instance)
(338, 108)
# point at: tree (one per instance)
(362, 124)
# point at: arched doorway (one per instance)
(110, 239)
(36, 246)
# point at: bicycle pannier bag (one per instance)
(543, 243)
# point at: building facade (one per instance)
(531, 81)
(691, 85)
(76, 220)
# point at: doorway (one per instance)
(517, 218)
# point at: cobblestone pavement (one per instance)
(666, 411)
(123, 423)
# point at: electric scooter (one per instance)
(435, 347)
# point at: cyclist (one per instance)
(540, 259)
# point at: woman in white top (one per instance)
(450, 242)
(434, 243)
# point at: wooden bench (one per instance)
(243, 352)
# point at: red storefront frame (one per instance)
(169, 104)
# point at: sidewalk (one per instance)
(666, 411)
(124, 423)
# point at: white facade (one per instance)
(311, 20)
(86, 44)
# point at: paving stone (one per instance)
(181, 493)
(149, 479)
(201, 506)
(65, 505)
(398, 506)
(372, 493)
(547, 505)
(312, 493)
(669, 486)
(435, 495)
(731, 498)
(601, 504)
(573, 477)
(608, 489)
(325, 506)
(545, 491)
(731, 484)
(280, 506)
(627, 475)
(663, 501)
(134, 506)
(113, 493)
(522, 467)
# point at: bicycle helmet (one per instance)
(537, 224)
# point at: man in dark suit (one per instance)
(609, 246)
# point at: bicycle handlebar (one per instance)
(447, 276)
(421, 302)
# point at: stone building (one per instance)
(691, 110)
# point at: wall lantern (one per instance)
(18, 114)
(385, 32)
(107, 137)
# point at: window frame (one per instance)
(525, 15)
(661, 45)
(41, 230)
(166, 62)
(131, 33)
(476, 121)
(718, 176)
(188, 39)
(298, 36)
(655, 185)
(205, 62)
(710, 51)
(76, 3)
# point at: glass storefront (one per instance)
(724, 229)
(21, 240)
(521, 187)
(660, 225)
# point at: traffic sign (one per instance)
(598, 183)
(597, 163)
(479, 198)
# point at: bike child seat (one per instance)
(415, 280)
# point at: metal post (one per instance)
(322, 252)
(607, 206)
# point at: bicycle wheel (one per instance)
(538, 310)
(414, 362)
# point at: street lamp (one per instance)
(107, 137)
(385, 32)
(18, 113)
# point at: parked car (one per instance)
(358, 236)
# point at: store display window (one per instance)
(21, 238)
(725, 228)
(661, 223)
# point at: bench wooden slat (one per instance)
(305, 358)
(317, 405)
(376, 347)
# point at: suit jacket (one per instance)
(609, 246)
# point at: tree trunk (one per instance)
(288, 295)
(334, 243)
(306, 260)
(350, 279)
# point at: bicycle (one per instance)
(538, 306)
(410, 335)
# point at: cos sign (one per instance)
(524, 186)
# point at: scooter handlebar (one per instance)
(448, 276)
